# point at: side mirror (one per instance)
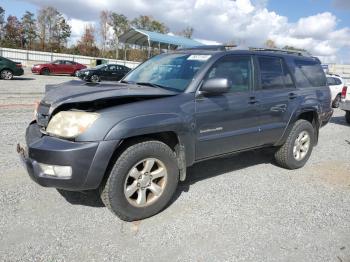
(216, 86)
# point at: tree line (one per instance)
(48, 30)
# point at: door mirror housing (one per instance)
(216, 86)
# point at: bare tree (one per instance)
(187, 32)
(2, 22)
(120, 25)
(104, 28)
(270, 44)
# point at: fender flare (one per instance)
(157, 123)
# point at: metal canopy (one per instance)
(152, 39)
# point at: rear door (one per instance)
(276, 97)
(227, 122)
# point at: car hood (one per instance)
(79, 92)
(85, 69)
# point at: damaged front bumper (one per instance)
(54, 162)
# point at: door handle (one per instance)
(252, 100)
(292, 95)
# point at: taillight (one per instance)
(19, 65)
(343, 92)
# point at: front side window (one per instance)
(237, 69)
(112, 68)
(170, 71)
(274, 73)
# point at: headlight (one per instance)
(86, 72)
(70, 124)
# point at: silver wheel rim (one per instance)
(94, 78)
(145, 182)
(301, 146)
(6, 75)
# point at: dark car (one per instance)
(135, 139)
(110, 72)
(58, 67)
(9, 69)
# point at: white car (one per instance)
(336, 84)
(345, 103)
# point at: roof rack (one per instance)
(286, 51)
(210, 47)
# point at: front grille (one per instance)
(42, 116)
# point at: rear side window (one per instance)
(337, 81)
(309, 74)
(274, 73)
(331, 81)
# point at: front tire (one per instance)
(6, 74)
(95, 79)
(347, 116)
(45, 72)
(142, 181)
(298, 147)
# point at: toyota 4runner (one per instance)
(134, 139)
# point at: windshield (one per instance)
(170, 71)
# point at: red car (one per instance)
(58, 67)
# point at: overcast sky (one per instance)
(321, 26)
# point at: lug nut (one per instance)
(138, 185)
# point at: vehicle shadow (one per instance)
(201, 171)
(339, 120)
(215, 167)
(89, 198)
(22, 78)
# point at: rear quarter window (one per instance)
(309, 74)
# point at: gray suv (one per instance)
(134, 140)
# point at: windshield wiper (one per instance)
(151, 84)
(126, 82)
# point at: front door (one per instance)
(227, 122)
(114, 72)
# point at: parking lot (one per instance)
(242, 207)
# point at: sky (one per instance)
(320, 26)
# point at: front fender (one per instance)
(157, 123)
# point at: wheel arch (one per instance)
(310, 114)
(170, 138)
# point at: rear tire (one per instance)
(142, 182)
(298, 147)
(6, 74)
(336, 101)
(347, 116)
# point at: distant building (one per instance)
(339, 69)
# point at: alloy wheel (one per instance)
(301, 146)
(145, 182)
(6, 74)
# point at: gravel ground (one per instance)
(239, 208)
